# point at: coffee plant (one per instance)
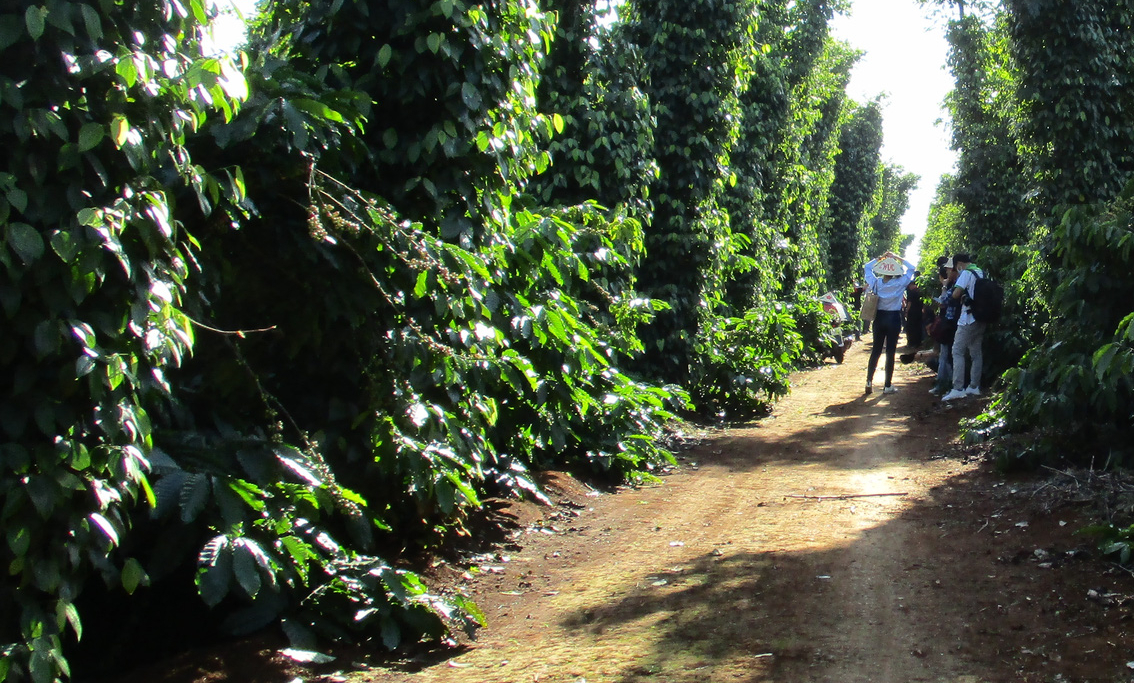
(98, 100)
(1075, 387)
(851, 204)
(277, 322)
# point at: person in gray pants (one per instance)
(970, 333)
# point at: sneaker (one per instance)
(953, 395)
(935, 391)
(889, 390)
(972, 391)
(869, 388)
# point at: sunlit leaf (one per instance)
(317, 108)
(105, 526)
(133, 575)
(307, 656)
(119, 129)
(246, 567)
(214, 575)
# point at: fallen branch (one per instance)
(1066, 474)
(845, 496)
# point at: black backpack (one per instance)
(987, 301)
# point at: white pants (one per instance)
(969, 339)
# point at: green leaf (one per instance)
(18, 199)
(34, 20)
(90, 135)
(197, 7)
(127, 70)
(133, 575)
(105, 526)
(115, 372)
(42, 667)
(47, 338)
(89, 217)
(557, 122)
(1103, 358)
(26, 242)
(215, 574)
(11, 29)
(71, 614)
(147, 490)
(211, 552)
(317, 108)
(301, 553)
(246, 568)
(65, 246)
(80, 457)
(470, 94)
(119, 126)
(251, 494)
(194, 496)
(391, 633)
(384, 55)
(84, 365)
(44, 495)
(238, 183)
(306, 656)
(295, 124)
(19, 540)
(92, 21)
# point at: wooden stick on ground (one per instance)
(845, 496)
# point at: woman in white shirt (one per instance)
(888, 321)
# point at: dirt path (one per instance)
(735, 570)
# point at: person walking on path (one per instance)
(970, 333)
(884, 278)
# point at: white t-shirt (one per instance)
(967, 281)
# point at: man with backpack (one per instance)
(944, 328)
(970, 331)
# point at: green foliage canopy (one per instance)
(411, 250)
(852, 191)
(98, 102)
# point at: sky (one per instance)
(905, 58)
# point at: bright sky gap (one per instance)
(904, 59)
